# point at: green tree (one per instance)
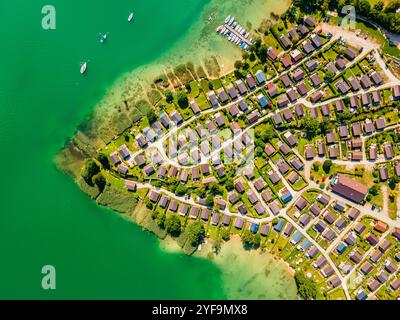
(168, 96)
(374, 190)
(364, 7)
(327, 165)
(225, 234)
(306, 287)
(181, 189)
(229, 184)
(251, 240)
(268, 133)
(173, 225)
(151, 116)
(103, 159)
(195, 233)
(316, 166)
(89, 170)
(182, 99)
(328, 76)
(210, 201)
(100, 181)
(378, 6)
(311, 126)
(238, 64)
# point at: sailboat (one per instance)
(83, 68)
(130, 17)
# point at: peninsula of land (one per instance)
(296, 151)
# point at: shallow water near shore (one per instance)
(44, 218)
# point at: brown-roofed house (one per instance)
(349, 188)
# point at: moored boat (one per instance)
(130, 17)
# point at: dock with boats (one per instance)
(235, 33)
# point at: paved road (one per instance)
(352, 39)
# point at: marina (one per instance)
(235, 33)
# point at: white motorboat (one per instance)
(130, 17)
(227, 19)
(83, 68)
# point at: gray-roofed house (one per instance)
(365, 81)
(183, 210)
(122, 168)
(340, 62)
(232, 91)
(311, 64)
(301, 203)
(239, 223)
(302, 88)
(298, 108)
(349, 53)
(223, 97)
(153, 196)
(164, 200)
(298, 74)
(316, 80)
(380, 123)
(215, 219)
(316, 40)
(376, 98)
(309, 21)
(241, 87)
(343, 131)
(176, 117)
(342, 86)
(226, 220)
(141, 140)
(250, 81)
(309, 152)
(292, 94)
(286, 43)
(277, 119)
(282, 101)
(307, 46)
(376, 78)
(194, 106)
(260, 76)
(388, 150)
(115, 159)
(355, 84)
(325, 110)
(213, 99)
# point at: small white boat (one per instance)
(219, 29)
(246, 35)
(231, 20)
(227, 19)
(223, 30)
(130, 17)
(83, 68)
(103, 37)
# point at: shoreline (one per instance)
(135, 83)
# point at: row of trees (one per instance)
(92, 175)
